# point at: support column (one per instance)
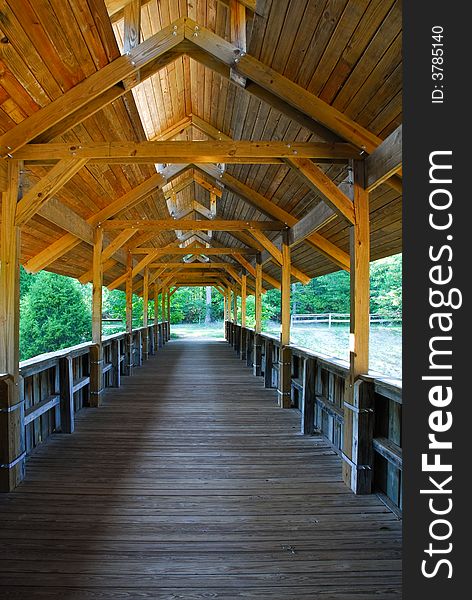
(129, 359)
(235, 306)
(257, 353)
(156, 317)
(285, 358)
(243, 299)
(163, 315)
(96, 350)
(145, 314)
(12, 410)
(258, 296)
(242, 340)
(168, 313)
(358, 396)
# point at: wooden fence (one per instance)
(55, 386)
(332, 318)
(318, 385)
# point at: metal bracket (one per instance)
(354, 466)
(10, 409)
(356, 409)
(13, 462)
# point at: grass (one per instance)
(385, 341)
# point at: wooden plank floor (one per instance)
(190, 483)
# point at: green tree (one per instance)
(54, 315)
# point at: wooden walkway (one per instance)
(189, 483)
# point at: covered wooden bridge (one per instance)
(148, 145)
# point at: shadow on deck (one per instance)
(189, 482)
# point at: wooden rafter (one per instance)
(47, 187)
(278, 256)
(385, 161)
(194, 250)
(264, 205)
(93, 86)
(324, 186)
(188, 225)
(70, 241)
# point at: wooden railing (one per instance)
(318, 385)
(55, 386)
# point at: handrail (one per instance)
(318, 382)
(55, 385)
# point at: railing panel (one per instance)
(57, 385)
(318, 386)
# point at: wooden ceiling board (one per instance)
(347, 52)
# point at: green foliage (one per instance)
(53, 315)
(114, 306)
(26, 280)
(55, 310)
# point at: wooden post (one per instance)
(163, 315)
(12, 412)
(66, 386)
(128, 370)
(258, 296)
(269, 348)
(168, 313)
(145, 314)
(156, 317)
(242, 339)
(358, 397)
(96, 350)
(308, 400)
(285, 359)
(235, 306)
(115, 361)
(243, 299)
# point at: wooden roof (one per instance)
(346, 53)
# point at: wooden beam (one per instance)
(237, 24)
(193, 250)
(285, 297)
(258, 296)
(284, 390)
(96, 350)
(274, 282)
(323, 215)
(189, 225)
(131, 26)
(213, 189)
(278, 255)
(208, 129)
(357, 472)
(385, 161)
(145, 340)
(325, 187)
(91, 87)
(172, 130)
(243, 299)
(47, 187)
(288, 91)
(69, 241)
(64, 217)
(12, 444)
(128, 367)
(185, 151)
